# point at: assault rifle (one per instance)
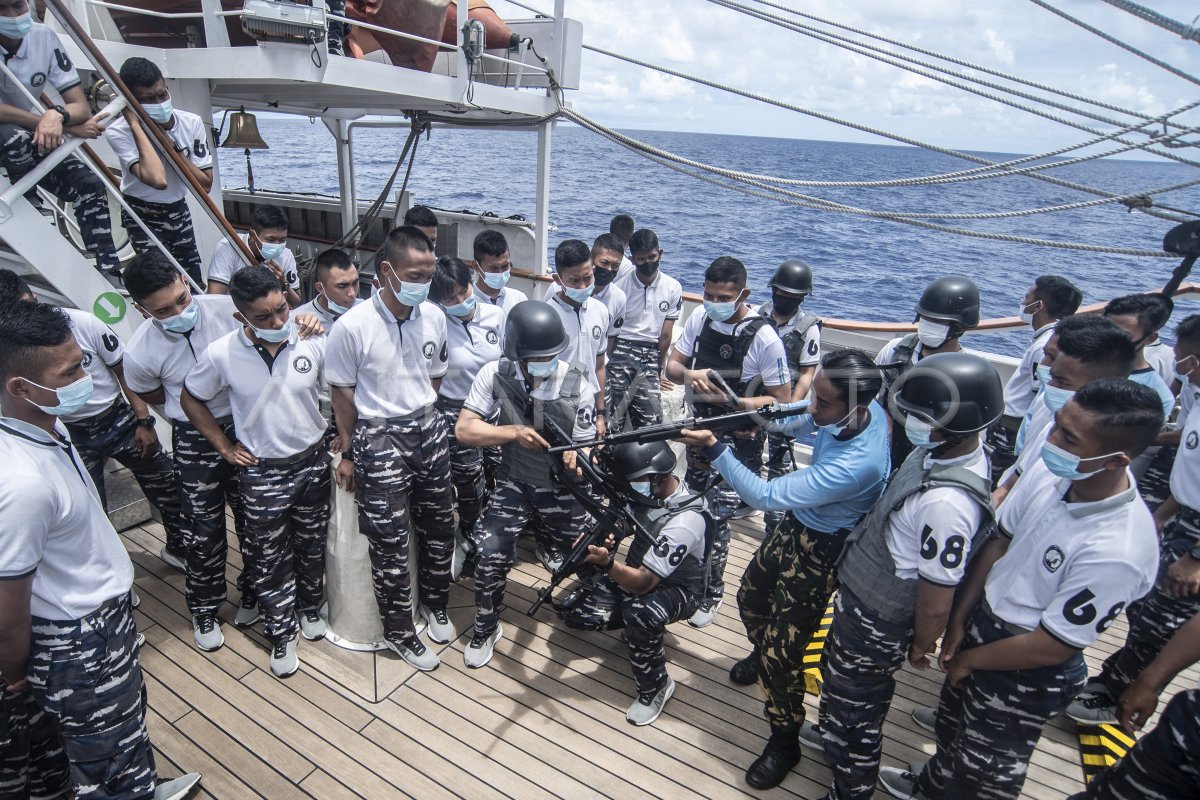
(670, 430)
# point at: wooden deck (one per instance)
(546, 718)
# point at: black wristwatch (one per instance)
(612, 559)
(1195, 552)
(146, 422)
(66, 115)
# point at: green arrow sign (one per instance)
(109, 308)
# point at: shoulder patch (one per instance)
(302, 364)
(492, 337)
(1191, 441)
(428, 349)
(37, 80)
(1053, 558)
(664, 305)
(596, 332)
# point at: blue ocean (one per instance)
(865, 268)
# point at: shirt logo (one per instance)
(620, 321)
(663, 306)
(1191, 441)
(87, 360)
(291, 278)
(38, 79)
(64, 61)
(302, 364)
(492, 338)
(726, 351)
(428, 350)
(445, 354)
(1053, 558)
(596, 332)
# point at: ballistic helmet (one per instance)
(533, 330)
(958, 393)
(953, 299)
(793, 276)
(635, 460)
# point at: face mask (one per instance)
(603, 277)
(719, 312)
(71, 397)
(184, 321)
(497, 280)
(932, 333)
(839, 427)
(1055, 398)
(462, 309)
(1066, 465)
(647, 269)
(579, 295)
(274, 336)
(1180, 375)
(409, 294)
(333, 307)
(1027, 315)
(270, 252)
(1043, 374)
(541, 369)
(161, 112)
(786, 304)
(919, 432)
(16, 27)
(641, 487)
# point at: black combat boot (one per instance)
(780, 755)
(745, 672)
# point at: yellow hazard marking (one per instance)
(1101, 746)
(814, 653)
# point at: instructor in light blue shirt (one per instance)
(787, 586)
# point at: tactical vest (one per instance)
(518, 408)
(867, 568)
(902, 359)
(724, 353)
(691, 574)
(793, 340)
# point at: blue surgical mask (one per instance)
(412, 294)
(919, 432)
(542, 369)
(270, 251)
(275, 336)
(71, 397)
(1056, 398)
(579, 295)
(1066, 465)
(1180, 375)
(1043, 374)
(184, 321)
(16, 27)
(719, 312)
(462, 309)
(497, 280)
(161, 112)
(334, 308)
(641, 487)
(839, 427)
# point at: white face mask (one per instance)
(932, 333)
(1026, 315)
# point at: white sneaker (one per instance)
(647, 707)
(312, 627)
(175, 560)
(898, 782)
(139, 640)
(177, 788)
(479, 651)
(283, 658)
(812, 737)
(926, 718)
(1094, 709)
(134, 600)
(415, 653)
(440, 629)
(207, 631)
(705, 614)
(247, 613)
(458, 560)
(552, 560)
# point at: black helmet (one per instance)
(956, 392)
(952, 299)
(533, 330)
(638, 459)
(793, 276)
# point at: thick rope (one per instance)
(1190, 32)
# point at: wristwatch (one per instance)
(612, 559)
(1195, 552)
(146, 422)
(66, 115)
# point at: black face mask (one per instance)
(785, 303)
(647, 269)
(603, 277)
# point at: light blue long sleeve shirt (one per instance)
(843, 481)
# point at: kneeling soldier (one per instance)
(534, 391)
(660, 582)
(903, 562)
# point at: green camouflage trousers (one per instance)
(783, 596)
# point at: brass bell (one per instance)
(243, 132)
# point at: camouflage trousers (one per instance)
(723, 500)
(338, 31)
(287, 521)
(1000, 444)
(988, 727)
(206, 483)
(172, 224)
(1154, 619)
(70, 181)
(402, 480)
(553, 513)
(85, 673)
(466, 470)
(784, 593)
(862, 655)
(632, 394)
(606, 606)
(110, 434)
(33, 762)
(781, 460)
(1163, 765)
(1155, 483)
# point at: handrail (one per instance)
(101, 64)
(147, 12)
(520, 64)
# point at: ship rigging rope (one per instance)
(1191, 32)
(961, 62)
(1114, 40)
(1132, 198)
(898, 61)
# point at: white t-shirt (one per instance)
(156, 358)
(388, 362)
(1188, 395)
(41, 57)
(327, 317)
(1150, 378)
(228, 259)
(626, 266)
(587, 333)
(648, 307)
(1162, 358)
(810, 355)
(507, 298)
(190, 135)
(276, 407)
(1185, 472)
(681, 537)
(614, 300)
(472, 345)
(1038, 418)
(54, 527)
(102, 350)
(765, 358)
(482, 398)
(1071, 567)
(1023, 385)
(930, 535)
